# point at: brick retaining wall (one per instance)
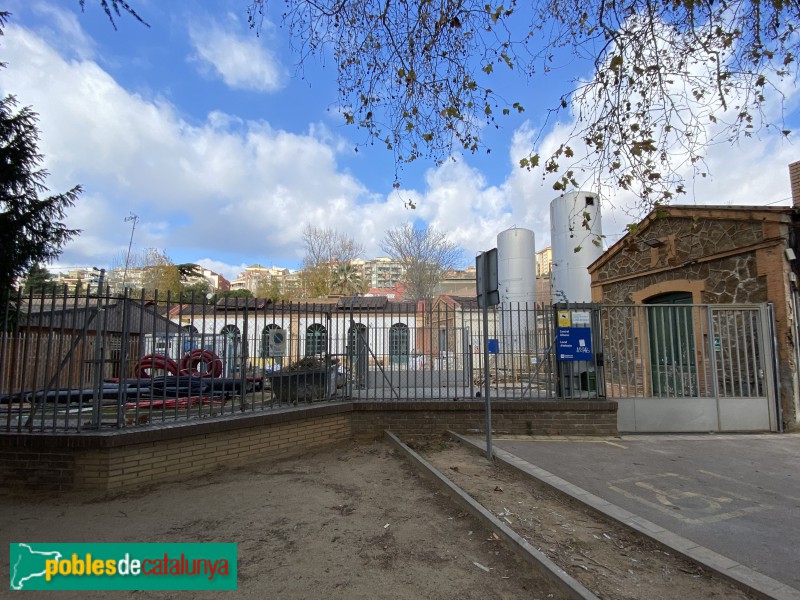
(127, 459)
(413, 419)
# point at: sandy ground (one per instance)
(350, 521)
(354, 521)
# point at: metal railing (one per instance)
(74, 363)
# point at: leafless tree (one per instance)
(328, 246)
(325, 249)
(425, 254)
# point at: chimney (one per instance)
(794, 176)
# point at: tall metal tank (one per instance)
(516, 266)
(516, 282)
(576, 239)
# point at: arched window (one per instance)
(230, 349)
(190, 329)
(273, 341)
(230, 331)
(356, 339)
(398, 343)
(316, 339)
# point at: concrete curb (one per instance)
(743, 577)
(540, 562)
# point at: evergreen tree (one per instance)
(39, 281)
(30, 228)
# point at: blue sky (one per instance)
(211, 137)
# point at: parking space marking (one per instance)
(678, 497)
(739, 482)
(527, 438)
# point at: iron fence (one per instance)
(73, 363)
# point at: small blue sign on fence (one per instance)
(574, 343)
(494, 346)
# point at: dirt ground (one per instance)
(355, 521)
(350, 521)
(605, 557)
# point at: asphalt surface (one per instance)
(738, 495)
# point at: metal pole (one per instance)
(133, 218)
(98, 356)
(486, 383)
(483, 301)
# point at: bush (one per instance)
(311, 363)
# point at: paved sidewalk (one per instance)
(738, 495)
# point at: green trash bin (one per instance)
(589, 381)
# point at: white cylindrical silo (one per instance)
(516, 266)
(516, 282)
(576, 236)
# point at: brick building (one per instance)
(715, 255)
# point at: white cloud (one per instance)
(237, 187)
(242, 61)
(229, 272)
(63, 29)
(238, 192)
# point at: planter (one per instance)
(302, 386)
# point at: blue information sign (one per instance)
(574, 343)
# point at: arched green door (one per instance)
(670, 329)
(398, 344)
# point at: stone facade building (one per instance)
(714, 255)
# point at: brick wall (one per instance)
(111, 461)
(34, 468)
(150, 462)
(414, 419)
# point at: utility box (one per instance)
(589, 381)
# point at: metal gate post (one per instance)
(769, 342)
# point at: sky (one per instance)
(225, 150)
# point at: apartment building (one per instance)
(217, 282)
(544, 262)
(382, 272)
(258, 275)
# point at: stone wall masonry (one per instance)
(691, 239)
(114, 461)
(729, 280)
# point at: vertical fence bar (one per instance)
(24, 372)
(768, 339)
(755, 351)
(6, 392)
(47, 368)
(124, 342)
(36, 392)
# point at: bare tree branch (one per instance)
(425, 254)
